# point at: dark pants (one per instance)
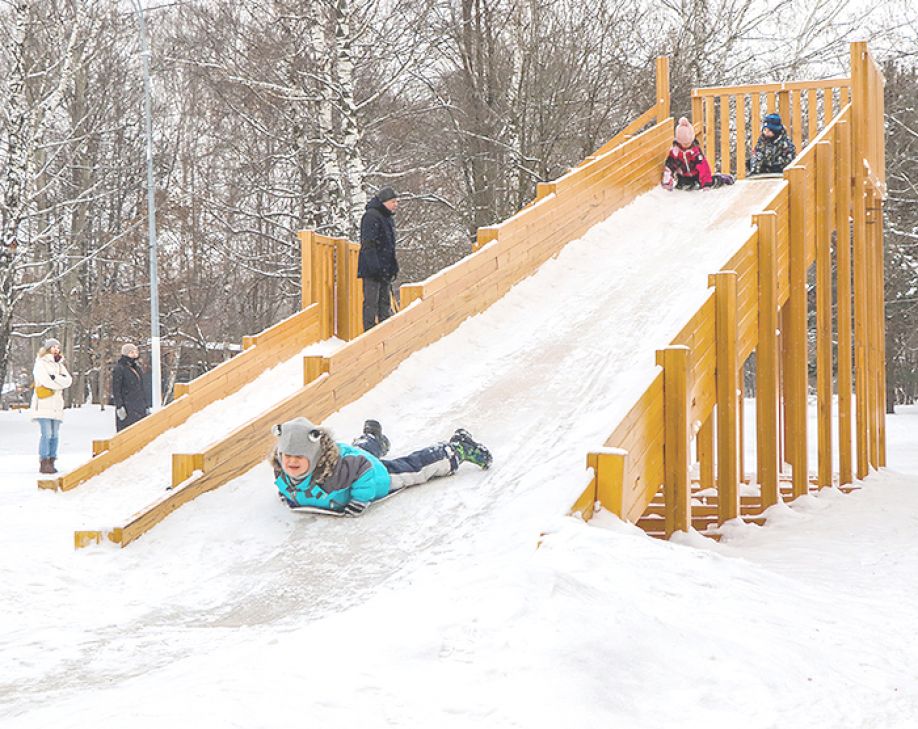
(416, 468)
(376, 307)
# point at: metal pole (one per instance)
(151, 214)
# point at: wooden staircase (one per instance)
(705, 514)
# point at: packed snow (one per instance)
(437, 609)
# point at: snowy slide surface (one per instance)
(540, 377)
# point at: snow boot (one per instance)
(373, 429)
(722, 178)
(53, 460)
(467, 449)
(45, 466)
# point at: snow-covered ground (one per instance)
(436, 609)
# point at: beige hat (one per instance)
(128, 350)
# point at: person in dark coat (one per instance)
(774, 151)
(129, 389)
(377, 265)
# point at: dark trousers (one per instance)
(416, 468)
(376, 307)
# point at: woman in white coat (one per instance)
(51, 379)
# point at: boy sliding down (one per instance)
(686, 167)
(312, 470)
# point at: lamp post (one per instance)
(151, 213)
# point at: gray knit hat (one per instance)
(385, 194)
(51, 342)
(299, 437)
(128, 349)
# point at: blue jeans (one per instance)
(47, 445)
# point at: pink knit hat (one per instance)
(685, 133)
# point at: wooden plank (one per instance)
(766, 390)
(812, 106)
(843, 296)
(725, 161)
(741, 141)
(724, 283)
(708, 141)
(676, 444)
(795, 326)
(755, 122)
(797, 121)
(771, 88)
(609, 467)
(705, 448)
(824, 170)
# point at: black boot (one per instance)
(373, 429)
(45, 466)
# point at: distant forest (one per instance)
(270, 117)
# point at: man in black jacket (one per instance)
(129, 390)
(377, 265)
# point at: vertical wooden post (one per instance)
(342, 290)
(609, 467)
(824, 164)
(697, 110)
(784, 105)
(676, 438)
(184, 465)
(741, 423)
(874, 319)
(881, 333)
(755, 116)
(860, 123)
(662, 78)
(861, 371)
(724, 283)
(313, 366)
(783, 447)
(725, 163)
(709, 129)
(797, 120)
(812, 106)
(766, 360)
(795, 331)
(306, 293)
(705, 446)
(323, 283)
(741, 136)
(843, 296)
(355, 305)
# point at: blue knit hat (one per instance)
(773, 122)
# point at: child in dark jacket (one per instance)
(686, 167)
(312, 470)
(774, 151)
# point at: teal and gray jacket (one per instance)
(343, 473)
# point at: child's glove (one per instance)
(669, 182)
(121, 413)
(355, 508)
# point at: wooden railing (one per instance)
(730, 117)
(506, 254)
(329, 276)
(830, 191)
